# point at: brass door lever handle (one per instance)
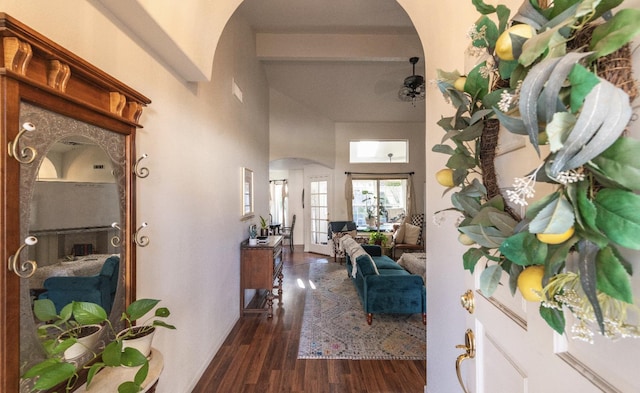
(470, 353)
(468, 302)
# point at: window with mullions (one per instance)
(379, 203)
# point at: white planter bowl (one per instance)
(142, 344)
(84, 344)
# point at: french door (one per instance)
(318, 200)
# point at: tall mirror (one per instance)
(72, 199)
(76, 194)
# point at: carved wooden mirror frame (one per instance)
(39, 72)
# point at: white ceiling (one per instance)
(349, 86)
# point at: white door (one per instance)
(318, 214)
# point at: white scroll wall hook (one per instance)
(28, 268)
(28, 153)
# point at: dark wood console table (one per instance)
(260, 268)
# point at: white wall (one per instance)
(296, 131)
(197, 137)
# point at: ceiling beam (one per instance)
(337, 47)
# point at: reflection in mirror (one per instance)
(70, 197)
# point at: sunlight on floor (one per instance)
(301, 284)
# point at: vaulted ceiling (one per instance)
(343, 59)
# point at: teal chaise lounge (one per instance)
(384, 286)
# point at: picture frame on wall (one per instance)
(247, 194)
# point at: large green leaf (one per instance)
(490, 278)
(585, 213)
(50, 373)
(604, 116)
(479, 115)
(485, 236)
(470, 133)
(446, 123)
(588, 279)
(112, 353)
(461, 161)
(44, 310)
(503, 17)
(503, 221)
(129, 387)
(132, 357)
(86, 313)
(619, 216)
(537, 45)
(514, 272)
(616, 32)
(471, 257)
(141, 375)
(442, 148)
(140, 307)
(556, 217)
(557, 255)
(582, 82)
(524, 249)
(483, 8)
(467, 204)
(537, 206)
(553, 317)
(513, 124)
(483, 218)
(477, 85)
(613, 279)
(475, 190)
(93, 370)
(490, 33)
(621, 162)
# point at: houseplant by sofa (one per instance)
(384, 286)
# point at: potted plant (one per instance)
(126, 349)
(54, 370)
(79, 334)
(62, 334)
(378, 238)
(264, 227)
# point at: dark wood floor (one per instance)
(260, 354)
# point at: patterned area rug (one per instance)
(334, 324)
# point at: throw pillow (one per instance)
(411, 234)
(364, 262)
(398, 236)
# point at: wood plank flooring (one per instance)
(260, 353)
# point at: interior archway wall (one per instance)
(442, 28)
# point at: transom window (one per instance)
(379, 151)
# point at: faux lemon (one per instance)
(465, 239)
(459, 83)
(445, 177)
(504, 46)
(530, 283)
(556, 238)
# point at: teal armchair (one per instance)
(99, 289)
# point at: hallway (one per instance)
(260, 354)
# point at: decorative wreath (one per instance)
(559, 74)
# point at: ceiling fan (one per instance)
(413, 87)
